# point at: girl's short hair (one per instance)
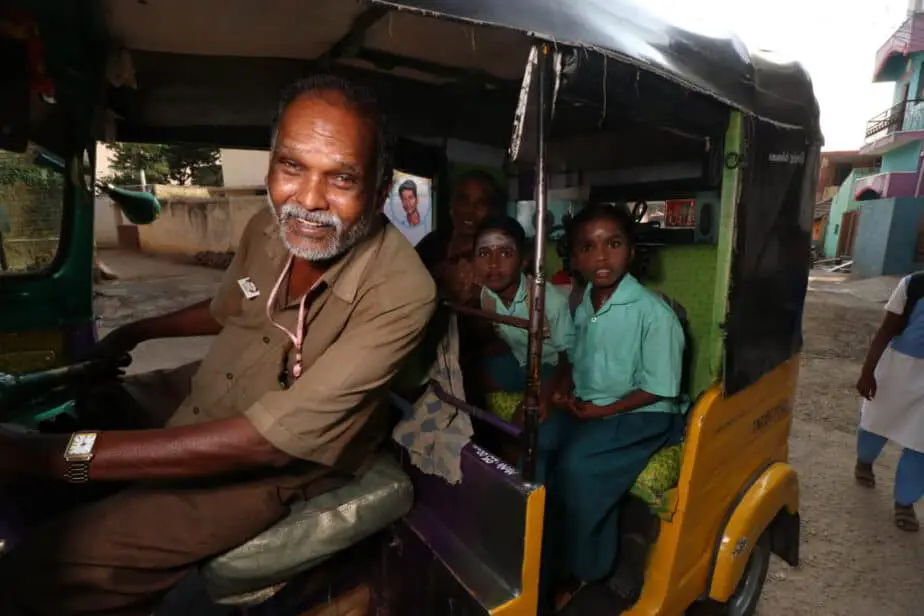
(602, 211)
(506, 225)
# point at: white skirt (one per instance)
(897, 410)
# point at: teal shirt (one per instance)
(634, 341)
(557, 315)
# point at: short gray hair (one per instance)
(358, 98)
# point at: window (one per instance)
(31, 212)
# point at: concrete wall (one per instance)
(842, 202)
(903, 237)
(191, 225)
(31, 225)
(869, 249)
(244, 167)
(106, 218)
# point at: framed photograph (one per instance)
(410, 206)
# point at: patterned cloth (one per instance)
(432, 431)
(656, 483)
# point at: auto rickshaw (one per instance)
(608, 100)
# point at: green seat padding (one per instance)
(655, 485)
(503, 403)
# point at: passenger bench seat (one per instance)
(313, 531)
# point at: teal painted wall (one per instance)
(903, 237)
(869, 248)
(904, 158)
(843, 202)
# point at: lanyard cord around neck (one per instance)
(298, 338)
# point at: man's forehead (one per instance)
(343, 156)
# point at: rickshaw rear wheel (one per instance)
(744, 600)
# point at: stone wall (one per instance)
(30, 224)
(199, 220)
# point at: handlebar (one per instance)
(16, 388)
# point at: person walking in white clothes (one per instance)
(892, 385)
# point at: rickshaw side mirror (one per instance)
(141, 208)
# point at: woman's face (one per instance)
(470, 205)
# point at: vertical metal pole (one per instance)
(537, 309)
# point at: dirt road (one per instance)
(855, 562)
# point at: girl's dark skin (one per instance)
(602, 253)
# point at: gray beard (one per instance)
(341, 242)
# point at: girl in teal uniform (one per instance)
(621, 405)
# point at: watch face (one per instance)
(81, 444)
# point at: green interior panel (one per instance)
(687, 274)
(731, 186)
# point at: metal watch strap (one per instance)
(77, 471)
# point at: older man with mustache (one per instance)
(322, 302)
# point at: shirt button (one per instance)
(593, 319)
(266, 339)
(229, 376)
(195, 410)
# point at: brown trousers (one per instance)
(120, 554)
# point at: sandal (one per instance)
(864, 475)
(906, 519)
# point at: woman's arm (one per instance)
(891, 326)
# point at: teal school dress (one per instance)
(634, 341)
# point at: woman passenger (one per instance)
(448, 253)
(622, 403)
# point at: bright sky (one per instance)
(836, 41)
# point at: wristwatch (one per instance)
(77, 456)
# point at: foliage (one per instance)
(19, 169)
(163, 164)
(128, 159)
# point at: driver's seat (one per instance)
(313, 531)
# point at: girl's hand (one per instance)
(866, 386)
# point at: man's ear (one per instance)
(383, 190)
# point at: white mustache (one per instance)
(290, 210)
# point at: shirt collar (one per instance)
(519, 298)
(629, 291)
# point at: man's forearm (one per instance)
(195, 320)
(204, 450)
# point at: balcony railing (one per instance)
(903, 116)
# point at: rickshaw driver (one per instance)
(240, 447)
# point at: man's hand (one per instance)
(120, 341)
(866, 385)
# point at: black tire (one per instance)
(744, 600)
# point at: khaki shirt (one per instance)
(366, 315)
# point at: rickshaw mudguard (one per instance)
(775, 492)
(485, 531)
